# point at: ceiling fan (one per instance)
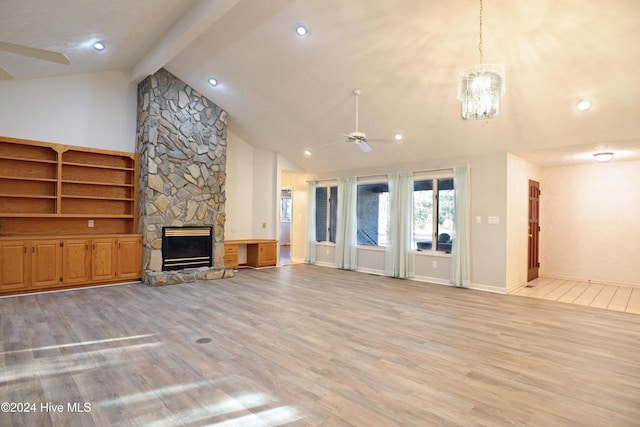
(45, 55)
(357, 137)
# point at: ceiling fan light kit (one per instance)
(480, 87)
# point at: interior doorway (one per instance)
(286, 215)
(534, 230)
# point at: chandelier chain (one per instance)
(480, 42)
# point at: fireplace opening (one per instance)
(186, 247)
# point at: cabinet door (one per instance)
(267, 254)
(46, 263)
(14, 265)
(104, 259)
(129, 258)
(76, 261)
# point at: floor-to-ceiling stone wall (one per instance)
(181, 140)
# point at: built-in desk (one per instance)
(260, 253)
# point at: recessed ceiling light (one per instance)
(603, 157)
(213, 81)
(583, 105)
(99, 46)
(307, 153)
(397, 137)
(301, 30)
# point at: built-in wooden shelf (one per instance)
(66, 206)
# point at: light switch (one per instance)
(493, 220)
(478, 220)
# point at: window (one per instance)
(285, 205)
(373, 214)
(429, 197)
(326, 208)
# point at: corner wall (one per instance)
(589, 220)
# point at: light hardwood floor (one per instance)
(610, 297)
(314, 346)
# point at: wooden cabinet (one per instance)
(41, 264)
(260, 252)
(46, 263)
(129, 250)
(231, 255)
(14, 265)
(104, 259)
(266, 254)
(76, 261)
(72, 213)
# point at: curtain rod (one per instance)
(450, 168)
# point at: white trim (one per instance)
(488, 288)
(434, 280)
(371, 271)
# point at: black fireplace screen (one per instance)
(186, 247)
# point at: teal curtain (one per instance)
(400, 257)
(310, 253)
(346, 233)
(460, 250)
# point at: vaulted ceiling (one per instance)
(286, 93)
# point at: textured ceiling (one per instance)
(286, 94)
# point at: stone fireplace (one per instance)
(181, 141)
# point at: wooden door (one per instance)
(76, 261)
(46, 263)
(129, 258)
(534, 229)
(104, 259)
(14, 265)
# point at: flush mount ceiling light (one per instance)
(99, 46)
(583, 105)
(212, 81)
(603, 157)
(301, 30)
(307, 153)
(480, 87)
(398, 137)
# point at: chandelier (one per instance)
(480, 87)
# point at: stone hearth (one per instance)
(181, 141)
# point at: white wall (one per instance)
(91, 110)
(266, 195)
(589, 221)
(238, 189)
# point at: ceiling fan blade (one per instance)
(4, 74)
(46, 55)
(332, 143)
(364, 147)
(381, 140)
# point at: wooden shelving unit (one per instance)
(56, 191)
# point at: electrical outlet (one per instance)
(90, 223)
(435, 264)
